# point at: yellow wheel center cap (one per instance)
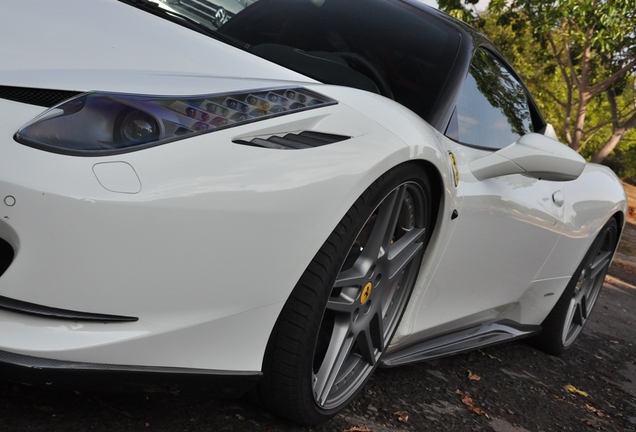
(366, 293)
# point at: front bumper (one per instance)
(93, 376)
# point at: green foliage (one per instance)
(611, 21)
(459, 9)
(623, 159)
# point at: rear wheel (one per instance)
(565, 322)
(342, 314)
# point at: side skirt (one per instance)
(460, 341)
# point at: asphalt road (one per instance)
(507, 388)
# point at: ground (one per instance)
(506, 388)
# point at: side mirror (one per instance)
(534, 155)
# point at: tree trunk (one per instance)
(609, 145)
(617, 136)
(577, 138)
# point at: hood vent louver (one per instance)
(33, 96)
(290, 141)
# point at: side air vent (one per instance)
(33, 96)
(302, 140)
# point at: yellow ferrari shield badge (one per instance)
(455, 170)
(366, 293)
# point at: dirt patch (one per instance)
(630, 191)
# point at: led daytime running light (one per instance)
(98, 123)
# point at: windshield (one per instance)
(385, 46)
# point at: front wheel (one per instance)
(565, 322)
(344, 310)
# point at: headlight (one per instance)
(106, 123)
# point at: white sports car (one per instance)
(315, 189)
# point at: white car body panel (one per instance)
(490, 213)
(234, 194)
(98, 55)
(493, 213)
(211, 236)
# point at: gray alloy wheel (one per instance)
(345, 309)
(369, 296)
(566, 320)
(589, 284)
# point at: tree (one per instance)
(456, 9)
(579, 54)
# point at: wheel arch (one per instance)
(293, 328)
(592, 200)
(436, 184)
(437, 190)
(620, 220)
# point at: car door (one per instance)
(504, 228)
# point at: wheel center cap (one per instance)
(366, 293)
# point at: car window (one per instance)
(492, 110)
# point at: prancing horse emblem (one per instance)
(366, 292)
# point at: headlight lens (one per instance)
(107, 123)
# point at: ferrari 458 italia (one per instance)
(282, 199)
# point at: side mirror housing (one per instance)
(534, 155)
(550, 132)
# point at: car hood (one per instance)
(110, 46)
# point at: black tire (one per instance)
(566, 320)
(344, 310)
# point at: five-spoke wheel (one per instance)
(369, 295)
(342, 314)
